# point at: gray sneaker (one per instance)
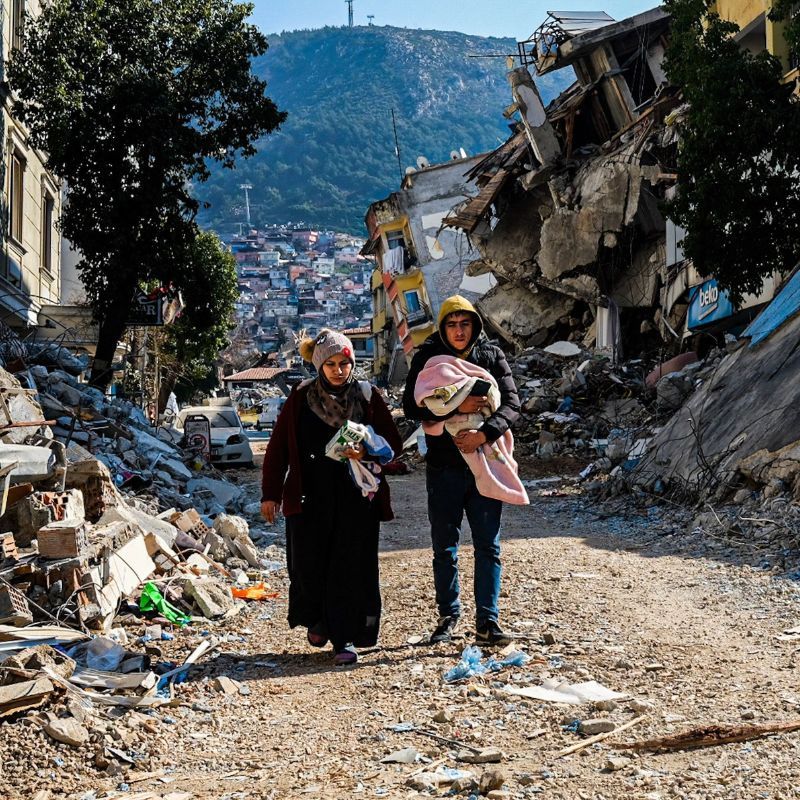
(444, 630)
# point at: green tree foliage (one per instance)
(786, 11)
(190, 346)
(131, 100)
(335, 155)
(739, 153)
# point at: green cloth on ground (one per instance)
(153, 600)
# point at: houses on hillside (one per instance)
(294, 281)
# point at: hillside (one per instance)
(335, 154)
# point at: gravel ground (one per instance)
(640, 600)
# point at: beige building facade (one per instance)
(30, 262)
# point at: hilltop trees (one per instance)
(131, 100)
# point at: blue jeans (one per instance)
(451, 492)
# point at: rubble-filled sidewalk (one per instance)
(115, 542)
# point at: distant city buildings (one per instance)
(294, 281)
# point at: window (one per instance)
(16, 196)
(17, 23)
(395, 239)
(48, 207)
(412, 301)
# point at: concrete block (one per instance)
(213, 598)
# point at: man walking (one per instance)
(451, 484)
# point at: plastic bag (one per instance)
(152, 600)
(259, 591)
(104, 654)
(469, 665)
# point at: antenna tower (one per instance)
(247, 187)
(370, 17)
(349, 13)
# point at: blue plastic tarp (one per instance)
(782, 308)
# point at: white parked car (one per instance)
(229, 442)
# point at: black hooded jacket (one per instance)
(442, 450)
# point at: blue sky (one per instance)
(514, 18)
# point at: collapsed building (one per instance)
(569, 217)
(418, 261)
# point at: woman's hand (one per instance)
(269, 510)
(355, 451)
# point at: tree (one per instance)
(189, 347)
(738, 156)
(131, 99)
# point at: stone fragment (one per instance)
(213, 598)
(490, 755)
(616, 763)
(641, 705)
(225, 685)
(407, 755)
(591, 727)
(66, 729)
(491, 780)
(441, 717)
(563, 349)
(463, 785)
(236, 534)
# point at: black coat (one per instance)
(442, 450)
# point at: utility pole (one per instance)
(349, 13)
(397, 148)
(370, 17)
(247, 187)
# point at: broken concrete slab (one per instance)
(521, 316)
(66, 730)
(235, 533)
(213, 598)
(223, 492)
(177, 469)
(563, 349)
(164, 531)
(33, 463)
(24, 695)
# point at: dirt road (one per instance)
(681, 626)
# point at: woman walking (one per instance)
(332, 525)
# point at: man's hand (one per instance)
(473, 403)
(355, 451)
(269, 510)
(470, 441)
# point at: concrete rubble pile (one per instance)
(580, 405)
(105, 523)
(735, 436)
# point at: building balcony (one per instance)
(420, 317)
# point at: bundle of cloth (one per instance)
(442, 386)
(365, 474)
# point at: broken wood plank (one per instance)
(711, 735)
(598, 738)
(25, 695)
